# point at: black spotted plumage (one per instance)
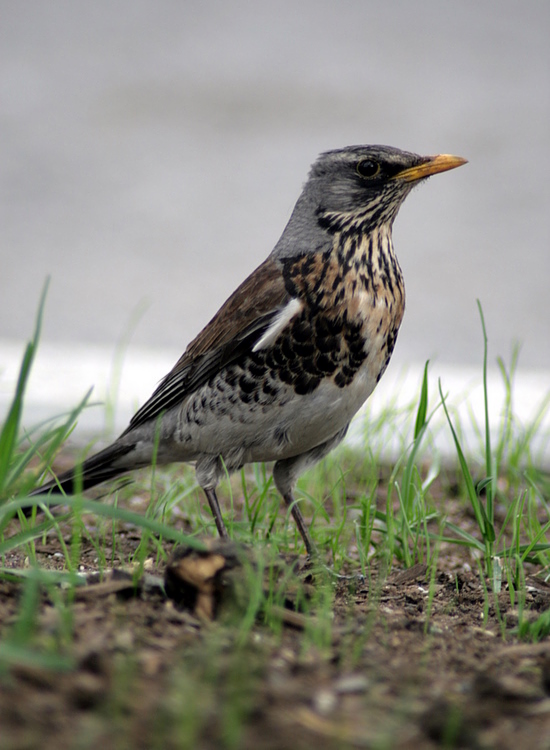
(294, 352)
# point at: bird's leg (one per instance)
(216, 512)
(300, 523)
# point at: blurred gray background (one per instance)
(151, 152)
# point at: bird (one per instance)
(295, 351)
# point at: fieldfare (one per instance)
(295, 351)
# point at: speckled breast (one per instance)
(353, 302)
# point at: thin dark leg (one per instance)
(216, 512)
(300, 523)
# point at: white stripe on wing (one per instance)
(279, 322)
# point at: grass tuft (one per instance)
(372, 520)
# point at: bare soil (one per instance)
(399, 667)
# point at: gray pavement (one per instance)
(150, 154)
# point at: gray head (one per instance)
(355, 189)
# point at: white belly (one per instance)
(289, 427)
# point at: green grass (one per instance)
(400, 530)
(366, 517)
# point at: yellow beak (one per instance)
(432, 165)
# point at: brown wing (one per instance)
(238, 324)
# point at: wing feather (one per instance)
(237, 326)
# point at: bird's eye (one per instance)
(367, 168)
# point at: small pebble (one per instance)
(325, 701)
(353, 683)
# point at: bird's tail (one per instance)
(98, 468)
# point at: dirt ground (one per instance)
(396, 666)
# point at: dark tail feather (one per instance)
(96, 469)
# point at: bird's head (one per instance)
(366, 185)
(354, 189)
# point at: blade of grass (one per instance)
(14, 654)
(10, 429)
(485, 526)
(489, 469)
(107, 511)
(27, 535)
(52, 441)
(420, 421)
